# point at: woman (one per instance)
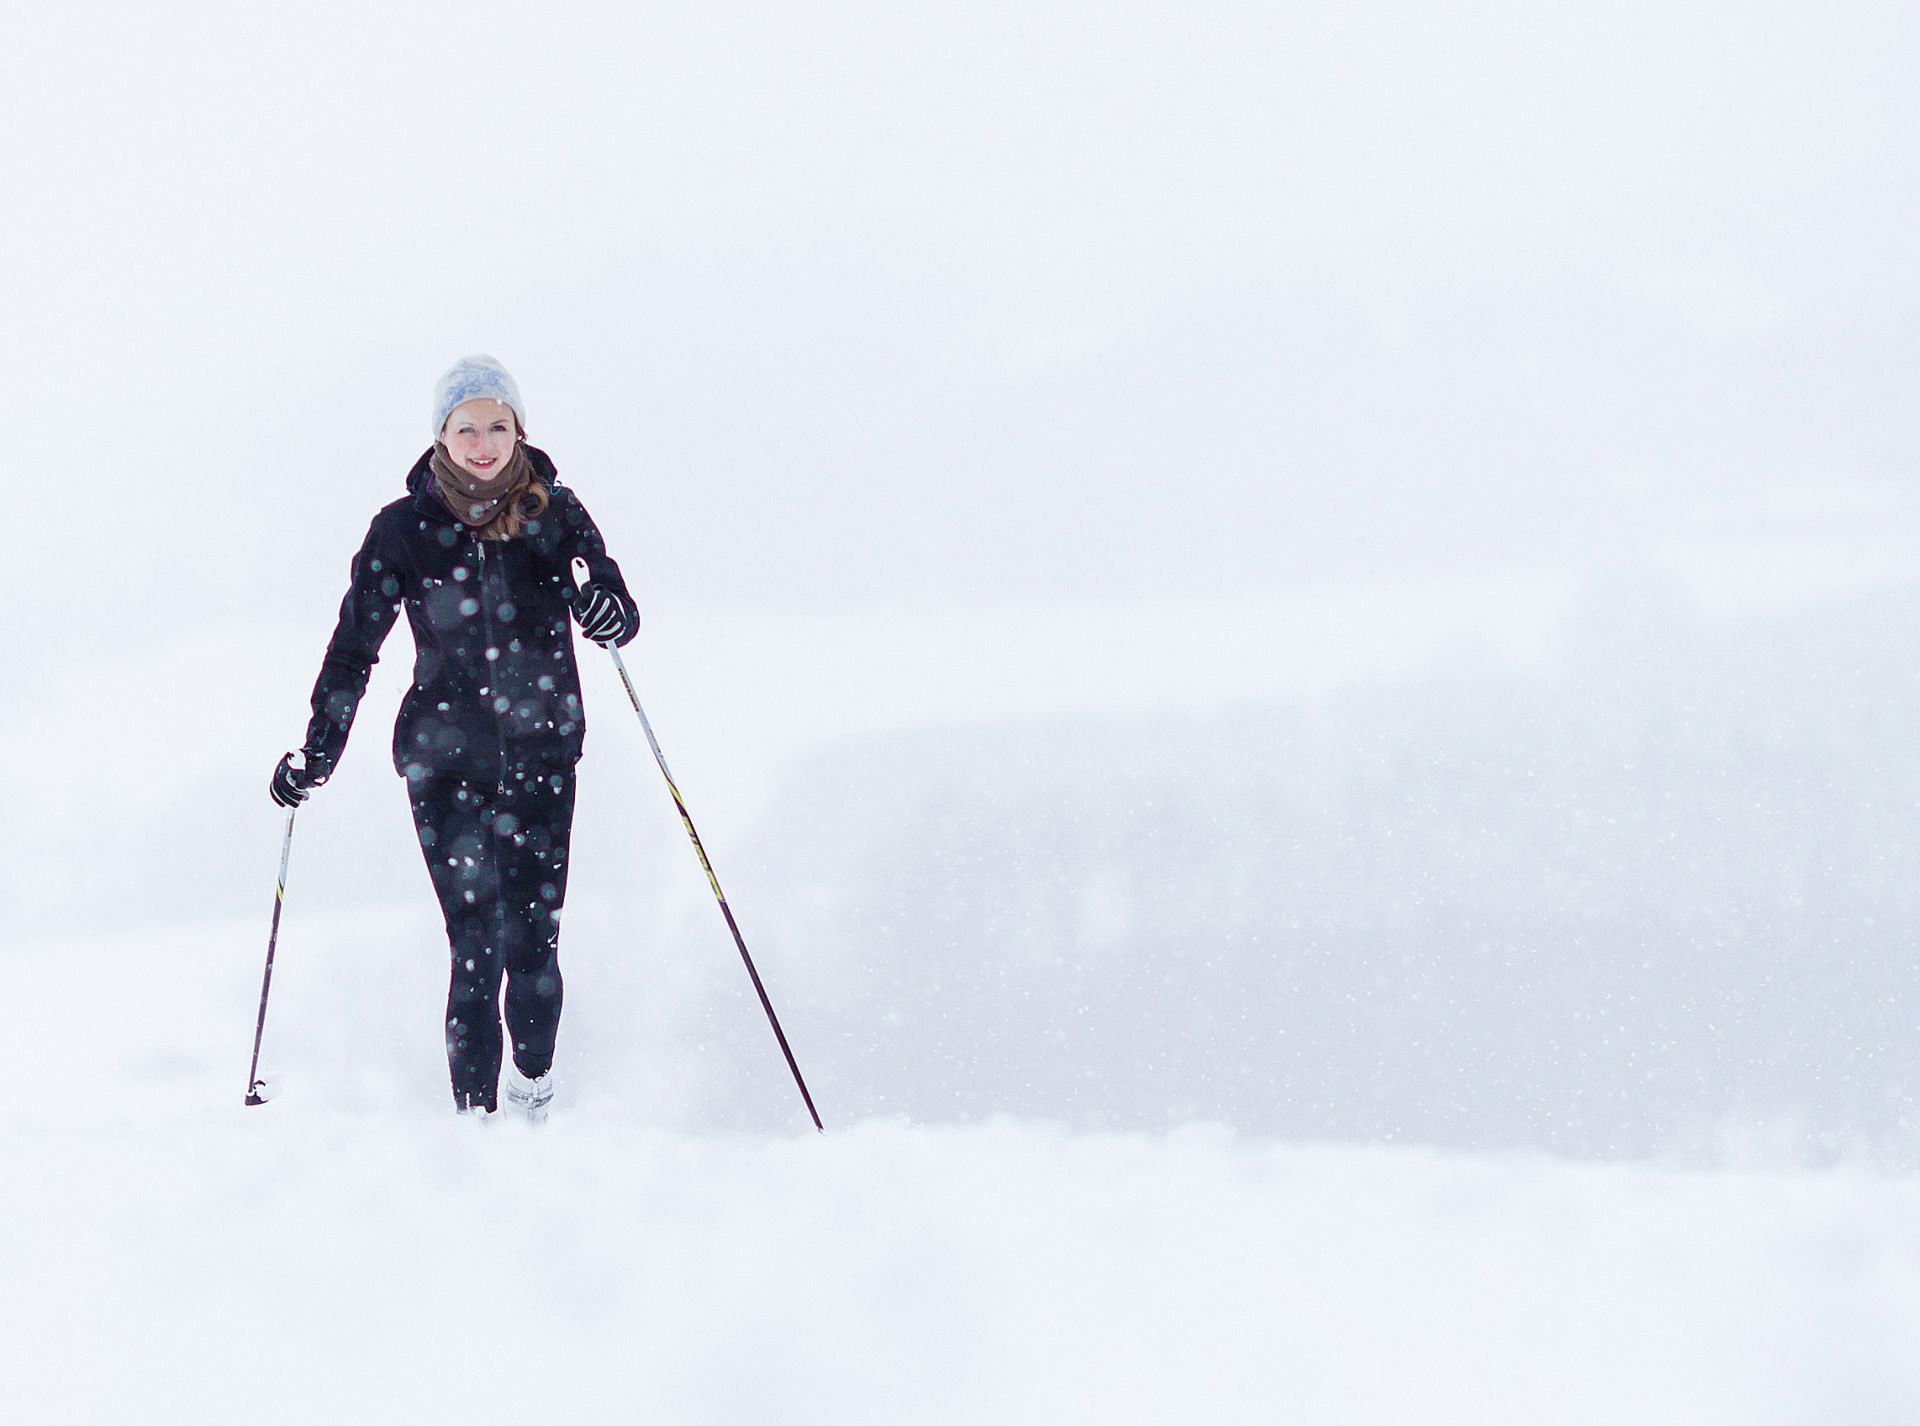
(480, 553)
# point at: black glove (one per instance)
(291, 784)
(601, 616)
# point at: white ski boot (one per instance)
(527, 1096)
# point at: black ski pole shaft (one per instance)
(266, 981)
(714, 881)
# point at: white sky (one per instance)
(835, 306)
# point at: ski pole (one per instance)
(259, 1026)
(714, 882)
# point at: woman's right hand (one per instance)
(291, 784)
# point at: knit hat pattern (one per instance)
(470, 379)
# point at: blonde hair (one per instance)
(529, 504)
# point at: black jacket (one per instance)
(494, 684)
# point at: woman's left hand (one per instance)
(601, 617)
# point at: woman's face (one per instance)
(479, 435)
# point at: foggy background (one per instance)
(1345, 571)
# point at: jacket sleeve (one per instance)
(367, 616)
(580, 539)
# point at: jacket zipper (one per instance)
(491, 655)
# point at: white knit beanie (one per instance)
(469, 379)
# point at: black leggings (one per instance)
(498, 856)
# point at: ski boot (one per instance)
(526, 1095)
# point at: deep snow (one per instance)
(353, 1251)
(305, 1264)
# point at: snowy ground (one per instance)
(401, 1267)
(352, 1252)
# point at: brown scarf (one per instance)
(477, 501)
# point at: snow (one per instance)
(1093, 1153)
(1292, 630)
(351, 1249)
(324, 1261)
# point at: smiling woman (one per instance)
(480, 554)
(479, 471)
